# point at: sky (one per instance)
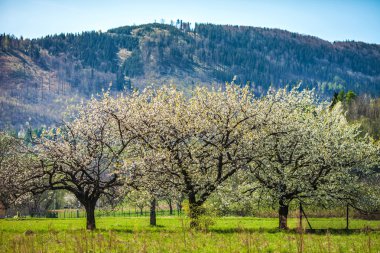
(331, 20)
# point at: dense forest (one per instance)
(51, 70)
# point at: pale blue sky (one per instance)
(328, 19)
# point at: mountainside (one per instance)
(39, 77)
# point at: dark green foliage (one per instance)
(261, 56)
(341, 96)
(280, 57)
(94, 49)
(145, 29)
(31, 135)
(133, 65)
(123, 83)
(350, 96)
(345, 98)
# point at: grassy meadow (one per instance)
(228, 234)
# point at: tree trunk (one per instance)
(179, 208)
(195, 210)
(347, 217)
(90, 215)
(283, 216)
(153, 212)
(170, 207)
(300, 225)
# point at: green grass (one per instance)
(230, 234)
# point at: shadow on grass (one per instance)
(225, 231)
(337, 231)
(157, 226)
(293, 231)
(118, 230)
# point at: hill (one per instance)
(39, 77)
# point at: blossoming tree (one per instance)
(82, 157)
(308, 151)
(197, 142)
(13, 158)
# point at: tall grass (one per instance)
(173, 235)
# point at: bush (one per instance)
(203, 219)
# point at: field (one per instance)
(229, 234)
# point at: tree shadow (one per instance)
(118, 230)
(157, 226)
(339, 231)
(244, 230)
(332, 231)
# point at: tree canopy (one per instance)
(161, 141)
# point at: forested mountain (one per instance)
(39, 77)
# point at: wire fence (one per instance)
(81, 213)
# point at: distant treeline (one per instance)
(260, 57)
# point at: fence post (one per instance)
(304, 214)
(300, 218)
(347, 209)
